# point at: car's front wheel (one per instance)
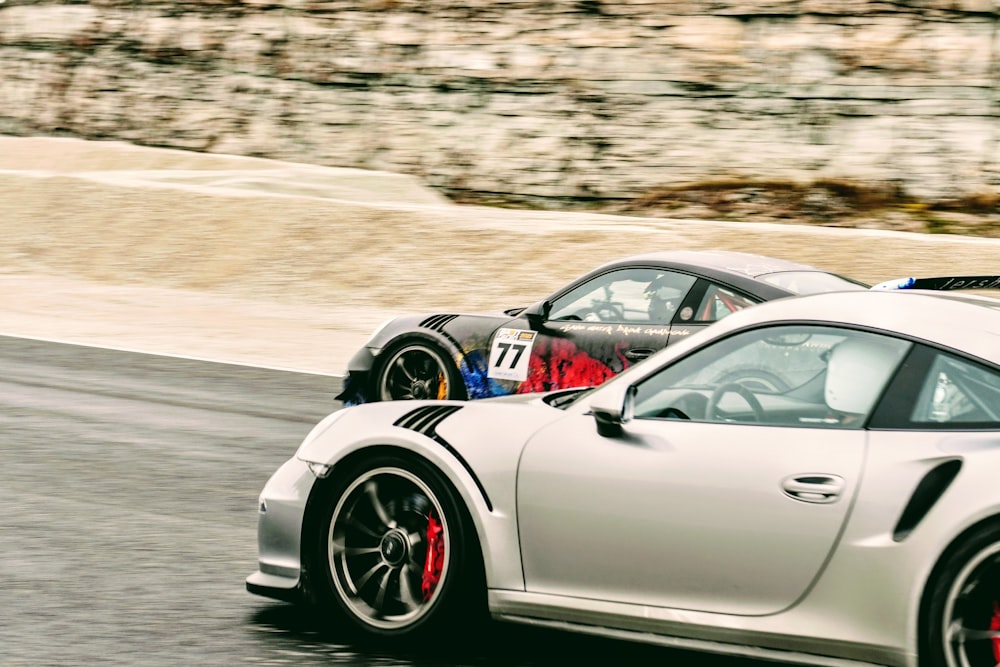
(416, 370)
(397, 554)
(961, 617)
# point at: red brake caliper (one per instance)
(434, 561)
(995, 626)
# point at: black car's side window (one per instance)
(795, 375)
(718, 302)
(641, 295)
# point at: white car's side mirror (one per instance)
(612, 407)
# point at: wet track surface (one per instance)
(128, 487)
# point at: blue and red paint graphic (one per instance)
(556, 363)
(559, 364)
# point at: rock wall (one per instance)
(573, 99)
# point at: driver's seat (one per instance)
(855, 375)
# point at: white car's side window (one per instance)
(958, 392)
(628, 295)
(788, 375)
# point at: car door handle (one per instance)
(638, 353)
(813, 488)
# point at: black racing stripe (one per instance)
(425, 420)
(437, 322)
(435, 416)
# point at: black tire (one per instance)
(373, 567)
(416, 370)
(960, 615)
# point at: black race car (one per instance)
(581, 335)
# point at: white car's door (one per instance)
(720, 510)
(714, 517)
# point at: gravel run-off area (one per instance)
(292, 266)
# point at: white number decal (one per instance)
(511, 354)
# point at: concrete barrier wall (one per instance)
(570, 99)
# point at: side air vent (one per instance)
(928, 491)
(425, 420)
(437, 322)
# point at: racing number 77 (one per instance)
(505, 348)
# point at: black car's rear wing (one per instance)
(943, 283)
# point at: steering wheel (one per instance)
(690, 405)
(712, 411)
(606, 311)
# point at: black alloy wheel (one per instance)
(396, 552)
(417, 371)
(961, 620)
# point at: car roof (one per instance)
(740, 270)
(727, 261)
(966, 322)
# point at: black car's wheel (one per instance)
(416, 370)
(960, 620)
(397, 553)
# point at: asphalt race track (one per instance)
(128, 487)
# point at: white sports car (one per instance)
(815, 479)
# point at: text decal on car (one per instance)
(510, 354)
